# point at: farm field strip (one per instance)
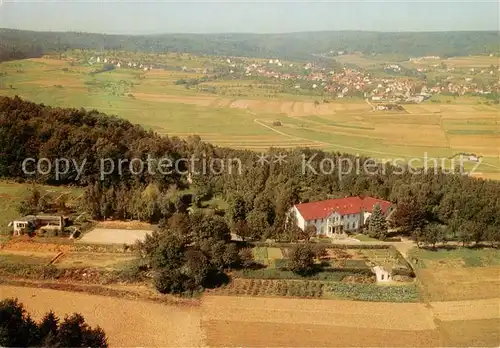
(319, 312)
(262, 334)
(467, 309)
(126, 322)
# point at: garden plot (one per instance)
(98, 260)
(113, 236)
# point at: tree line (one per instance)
(18, 329)
(19, 44)
(258, 197)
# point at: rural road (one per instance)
(371, 105)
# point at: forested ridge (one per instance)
(258, 199)
(18, 44)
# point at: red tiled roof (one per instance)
(343, 206)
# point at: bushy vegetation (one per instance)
(18, 329)
(373, 292)
(302, 259)
(190, 253)
(275, 273)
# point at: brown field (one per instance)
(49, 61)
(199, 101)
(113, 236)
(128, 225)
(262, 334)
(474, 61)
(457, 283)
(467, 310)
(289, 108)
(67, 82)
(460, 62)
(259, 322)
(475, 333)
(362, 62)
(127, 323)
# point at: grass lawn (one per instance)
(260, 255)
(6, 258)
(364, 238)
(467, 257)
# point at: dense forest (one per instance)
(258, 195)
(18, 44)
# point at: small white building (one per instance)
(382, 273)
(32, 222)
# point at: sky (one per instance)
(236, 16)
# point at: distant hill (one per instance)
(16, 44)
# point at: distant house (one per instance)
(336, 216)
(32, 222)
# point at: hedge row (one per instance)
(51, 272)
(327, 246)
(39, 272)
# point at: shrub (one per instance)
(172, 281)
(302, 259)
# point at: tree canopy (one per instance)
(18, 329)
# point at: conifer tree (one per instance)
(377, 225)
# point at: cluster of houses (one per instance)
(118, 64)
(340, 83)
(348, 81)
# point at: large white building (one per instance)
(337, 216)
